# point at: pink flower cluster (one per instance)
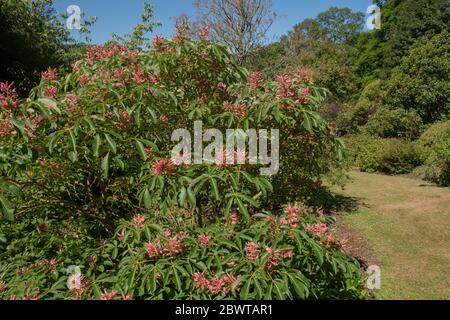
(275, 256)
(8, 96)
(124, 119)
(49, 264)
(221, 86)
(51, 92)
(233, 219)
(224, 158)
(77, 283)
(292, 217)
(163, 167)
(181, 34)
(204, 240)
(159, 43)
(49, 74)
(256, 80)
(252, 251)
(205, 34)
(138, 221)
(6, 127)
(304, 99)
(84, 79)
(108, 295)
(286, 90)
(306, 75)
(216, 285)
(72, 101)
(3, 286)
(139, 77)
(168, 247)
(99, 52)
(317, 229)
(238, 110)
(329, 240)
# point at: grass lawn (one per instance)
(407, 223)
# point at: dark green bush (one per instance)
(355, 115)
(391, 156)
(434, 147)
(394, 123)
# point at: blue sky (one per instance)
(119, 16)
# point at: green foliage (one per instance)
(434, 146)
(391, 156)
(394, 123)
(340, 25)
(336, 25)
(422, 81)
(355, 115)
(33, 38)
(270, 59)
(402, 24)
(264, 259)
(75, 135)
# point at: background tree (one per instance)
(402, 24)
(422, 80)
(340, 25)
(241, 24)
(32, 38)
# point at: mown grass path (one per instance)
(407, 223)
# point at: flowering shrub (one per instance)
(96, 143)
(89, 150)
(265, 259)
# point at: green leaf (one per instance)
(119, 163)
(7, 209)
(105, 166)
(147, 199)
(299, 287)
(242, 209)
(245, 290)
(96, 145)
(73, 141)
(112, 144)
(141, 150)
(215, 189)
(182, 196)
(191, 197)
(318, 253)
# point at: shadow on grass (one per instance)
(333, 203)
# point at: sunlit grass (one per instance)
(407, 222)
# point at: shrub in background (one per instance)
(394, 123)
(434, 146)
(391, 156)
(355, 115)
